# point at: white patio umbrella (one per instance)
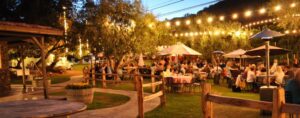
(179, 49)
(267, 35)
(235, 54)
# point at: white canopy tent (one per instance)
(179, 49)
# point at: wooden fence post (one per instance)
(153, 82)
(163, 96)
(206, 105)
(140, 95)
(135, 80)
(278, 102)
(93, 74)
(103, 79)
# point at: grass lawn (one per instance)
(54, 80)
(102, 100)
(178, 106)
(79, 67)
(184, 105)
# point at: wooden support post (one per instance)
(153, 82)
(103, 79)
(135, 80)
(163, 96)
(140, 95)
(93, 72)
(23, 71)
(278, 102)
(206, 105)
(45, 79)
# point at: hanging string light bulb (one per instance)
(65, 27)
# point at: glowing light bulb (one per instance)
(277, 7)
(235, 16)
(262, 11)
(177, 23)
(199, 21)
(210, 19)
(248, 13)
(293, 5)
(222, 18)
(187, 22)
(168, 24)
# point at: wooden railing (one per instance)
(278, 107)
(138, 85)
(116, 79)
(142, 98)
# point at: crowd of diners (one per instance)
(239, 77)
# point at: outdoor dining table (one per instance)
(40, 108)
(181, 80)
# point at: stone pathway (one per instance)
(127, 110)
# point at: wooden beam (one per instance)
(278, 101)
(291, 108)
(152, 96)
(240, 102)
(151, 84)
(38, 43)
(31, 30)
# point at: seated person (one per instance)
(292, 88)
(279, 76)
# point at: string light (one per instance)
(277, 7)
(237, 33)
(177, 23)
(293, 5)
(187, 22)
(222, 18)
(262, 11)
(235, 16)
(210, 19)
(199, 21)
(248, 13)
(168, 24)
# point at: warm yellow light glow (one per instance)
(199, 21)
(222, 18)
(210, 19)
(262, 11)
(294, 31)
(187, 22)
(248, 13)
(277, 7)
(177, 23)
(293, 5)
(287, 32)
(150, 25)
(176, 35)
(168, 24)
(235, 16)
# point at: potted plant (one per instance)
(80, 92)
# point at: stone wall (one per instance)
(4, 71)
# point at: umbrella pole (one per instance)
(240, 61)
(268, 62)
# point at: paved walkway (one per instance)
(127, 110)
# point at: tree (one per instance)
(119, 27)
(212, 36)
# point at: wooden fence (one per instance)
(278, 107)
(142, 98)
(116, 78)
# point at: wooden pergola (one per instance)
(11, 32)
